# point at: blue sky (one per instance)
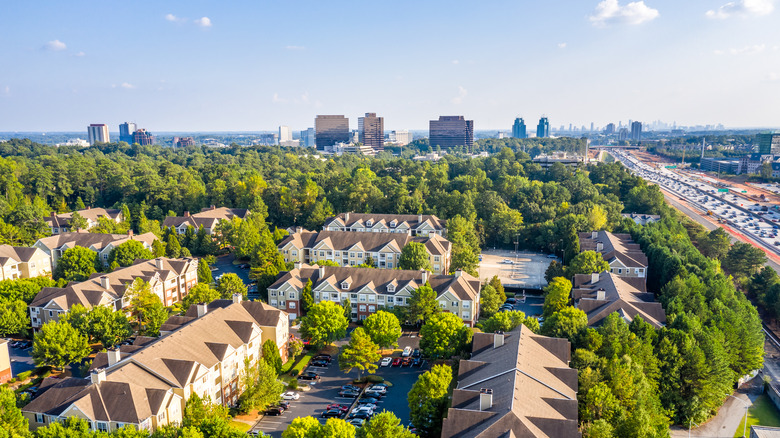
(253, 65)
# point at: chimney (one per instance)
(594, 235)
(458, 273)
(104, 283)
(599, 246)
(498, 339)
(297, 265)
(425, 275)
(130, 233)
(419, 218)
(158, 263)
(213, 207)
(202, 309)
(298, 229)
(322, 272)
(237, 298)
(114, 356)
(98, 376)
(485, 399)
(88, 207)
(601, 294)
(346, 217)
(594, 277)
(186, 214)
(53, 214)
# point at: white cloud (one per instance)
(277, 99)
(611, 12)
(462, 93)
(742, 8)
(127, 85)
(171, 17)
(294, 47)
(55, 46)
(561, 45)
(80, 54)
(747, 50)
(203, 22)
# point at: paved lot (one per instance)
(531, 306)
(526, 271)
(21, 360)
(224, 265)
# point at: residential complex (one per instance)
(400, 137)
(56, 245)
(642, 219)
(369, 290)
(516, 384)
(60, 223)
(169, 279)
(354, 248)
(208, 218)
(97, 133)
(371, 131)
(599, 295)
(22, 262)
(330, 129)
(450, 132)
(147, 384)
(625, 258)
(5, 362)
(414, 225)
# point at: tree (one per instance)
(336, 428)
(555, 269)
(58, 344)
(77, 264)
(324, 323)
(152, 317)
(204, 272)
(465, 245)
(326, 263)
(77, 222)
(208, 418)
(489, 302)
(423, 304)
(128, 252)
(14, 317)
(428, 400)
(360, 352)
(587, 262)
(100, 323)
(201, 293)
(442, 336)
(231, 284)
(766, 170)
(12, 422)
(565, 323)
(504, 321)
(744, 259)
(158, 248)
(271, 355)
(295, 347)
(384, 425)
(302, 427)
(307, 299)
(414, 256)
(716, 244)
(556, 296)
(495, 282)
(172, 245)
(383, 328)
(597, 218)
(262, 386)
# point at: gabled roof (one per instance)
(91, 214)
(19, 254)
(615, 246)
(369, 242)
(207, 217)
(360, 219)
(624, 295)
(97, 241)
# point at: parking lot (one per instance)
(21, 360)
(224, 265)
(526, 269)
(325, 392)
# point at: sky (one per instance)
(254, 65)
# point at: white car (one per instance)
(371, 406)
(365, 409)
(379, 389)
(507, 262)
(291, 395)
(407, 352)
(386, 361)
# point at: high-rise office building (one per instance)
(518, 128)
(371, 131)
(97, 133)
(451, 131)
(126, 131)
(636, 131)
(623, 134)
(591, 127)
(543, 128)
(142, 137)
(285, 134)
(307, 138)
(401, 138)
(610, 129)
(330, 130)
(768, 144)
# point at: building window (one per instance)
(273, 293)
(344, 285)
(389, 265)
(101, 426)
(466, 315)
(454, 304)
(360, 255)
(372, 298)
(391, 288)
(322, 253)
(273, 302)
(443, 304)
(352, 255)
(316, 295)
(39, 418)
(620, 270)
(294, 253)
(399, 300)
(362, 298)
(291, 304)
(291, 295)
(51, 314)
(161, 417)
(362, 308)
(372, 309)
(466, 304)
(435, 258)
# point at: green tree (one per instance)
(556, 296)
(12, 422)
(201, 293)
(307, 299)
(100, 323)
(326, 263)
(465, 245)
(204, 272)
(77, 222)
(14, 317)
(209, 418)
(383, 328)
(565, 323)
(744, 259)
(489, 301)
(414, 256)
(58, 344)
(302, 427)
(361, 353)
(587, 262)
(716, 244)
(442, 335)
(262, 386)
(158, 248)
(428, 400)
(504, 321)
(128, 252)
(77, 264)
(231, 284)
(423, 304)
(555, 269)
(384, 425)
(495, 282)
(172, 245)
(71, 427)
(272, 356)
(324, 323)
(153, 317)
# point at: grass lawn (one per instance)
(763, 412)
(243, 427)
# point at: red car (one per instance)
(342, 408)
(397, 362)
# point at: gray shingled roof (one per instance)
(618, 246)
(624, 295)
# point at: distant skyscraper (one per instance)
(543, 128)
(142, 137)
(623, 134)
(126, 131)
(371, 131)
(610, 129)
(591, 127)
(767, 144)
(451, 131)
(354, 136)
(636, 131)
(402, 138)
(307, 138)
(285, 134)
(331, 130)
(97, 133)
(518, 128)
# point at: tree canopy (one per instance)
(324, 323)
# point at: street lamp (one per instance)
(744, 428)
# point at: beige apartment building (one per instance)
(54, 246)
(208, 218)
(60, 223)
(625, 258)
(22, 262)
(414, 225)
(601, 294)
(5, 362)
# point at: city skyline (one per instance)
(70, 66)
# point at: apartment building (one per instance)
(60, 223)
(5, 362)
(169, 279)
(414, 225)
(22, 262)
(516, 384)
(354, 248)
(369, 290)
(208, 218)
(147, 384)
(625, 258)
(101, 243)
(601, 294)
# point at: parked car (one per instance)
(342, 408)
(397, 362)
(360, 415)
(309, 375)
(407, 362)
(507, 262)
(283, 404)
(319, 363)
(380, 385)
(332, 413)
(349, 394)
(291, 395)
(274, 411)
(350, 388)
(356, 422)
(368, 405)
(381, 389)
(386, 361)
(325, 357)
(363, 409)
(407, 352)
(370, 400)
(373, 394)
(416, 352)
(511, 301)
(416, 362)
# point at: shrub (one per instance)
(13, 380)
(24, 375)
(294, 373)
(293, 384)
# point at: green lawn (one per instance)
(763, 412)
(243, 427)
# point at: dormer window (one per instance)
(393, 223)
(344, 285)
(391, 288)
(369, 223)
